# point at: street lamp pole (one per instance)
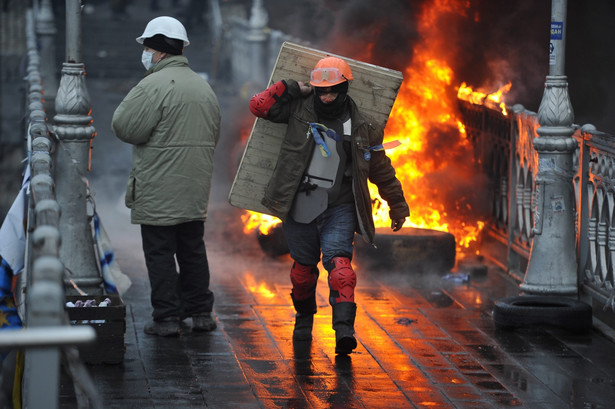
(75, 133)
(552, 267)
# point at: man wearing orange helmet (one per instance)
(319, 188)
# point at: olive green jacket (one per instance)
(296, 152)
(172, 119)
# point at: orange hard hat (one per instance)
(330, 71)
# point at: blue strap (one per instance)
(316, 129)
(387, 145)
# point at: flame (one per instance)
(260, 288)
(434, 151)
(492, 100)
(425, 106)
(253, 220)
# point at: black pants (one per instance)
(186, 293)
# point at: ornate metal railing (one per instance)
(504, 148)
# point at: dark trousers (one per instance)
(173, 294)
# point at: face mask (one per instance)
(146, 59)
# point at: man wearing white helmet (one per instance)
(172, 119)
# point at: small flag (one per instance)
(115, 280)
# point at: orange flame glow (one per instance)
(260, 288)
(253, 220)
(493, 100)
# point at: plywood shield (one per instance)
(374, 90)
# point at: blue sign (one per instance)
(557, 30)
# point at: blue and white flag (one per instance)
(12, 254)
(115, 280)
(13, 231)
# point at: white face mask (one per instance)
(147, 59)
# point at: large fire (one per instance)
(425, 120)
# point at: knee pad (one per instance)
(342, 281)
(303, 279)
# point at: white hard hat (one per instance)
(167, 26)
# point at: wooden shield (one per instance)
(374, 90)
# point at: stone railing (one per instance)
(504, 146)
(40, 294)
(594, 184)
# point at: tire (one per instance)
(542, 310)
(409, 250)
(274, 243)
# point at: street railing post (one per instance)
(552, 267)
(46, 34)
(257, 38)
(73, 126)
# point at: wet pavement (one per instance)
(425, 341)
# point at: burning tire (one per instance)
(273, 243)
(413, 249)
(535, 310)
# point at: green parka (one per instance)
(172, 119)
(295, 155)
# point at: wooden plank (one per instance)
(374, 89)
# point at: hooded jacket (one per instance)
(295, 154)
(172, 119)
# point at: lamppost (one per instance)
(75, 133)
(552, 267)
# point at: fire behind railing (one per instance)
(503, 143)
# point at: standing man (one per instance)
(172, 119)
(319, 188)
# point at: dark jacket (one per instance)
(296, 151)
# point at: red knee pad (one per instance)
(261, 103)
(304, 280)
(342, 280)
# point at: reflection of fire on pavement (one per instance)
(258, 288)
